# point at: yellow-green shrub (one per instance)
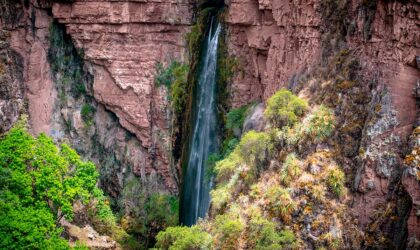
(291, 169)
(284, 108)
(228, 229)
(335, 180)
(254, 148)
(225, 168)
(263, 234)
(320, 123)
(182, 237)
(279, 202)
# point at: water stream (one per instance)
(196, 197)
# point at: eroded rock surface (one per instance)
(123, 41)
(284, 43)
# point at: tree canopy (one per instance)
(39, 183)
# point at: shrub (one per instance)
(182, 237)
(223, 192)
(179, 90)
(228, 146)
(236, 117)
(175, 78)
(228, 229)
(225, 168)
(162, 210)
(284, 108)
(318, 192)
(87, 113)
(287, 238)
(263, 234)
(254, 147)
(335, 180)
(320, 123)
(279, 202)
(220, 196)
(291, 169)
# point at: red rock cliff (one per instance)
(123, 41)
(278, 42)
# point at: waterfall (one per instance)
(196, 197)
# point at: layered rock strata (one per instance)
(123, 41)
(279, 43)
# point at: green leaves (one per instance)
(236, 117)
(179, 238)
(174, 77)
(39, 181)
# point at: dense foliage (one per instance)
(276, 189)
(39, 184)
(178, 238)
(148, 211)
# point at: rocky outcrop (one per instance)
(11, 83)
(288, 43)
(123, 41)
(411, 177)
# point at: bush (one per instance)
(220, 196)
(87, 113)
(223, 192)
(182, 237)
(228, 230)
(162, 210)
(335, 180)
(236, 117)
(291, 169)
(279, 202)
(284, 108)
(320, 124)
(228, 146)
(174, 77)
(254, 147)
(225, 168)
(263, 234)
(318, 192)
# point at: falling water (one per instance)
(196, 197)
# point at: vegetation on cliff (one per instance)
(40, 183)
(277, 188)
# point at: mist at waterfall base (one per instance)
(196, 187)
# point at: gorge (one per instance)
(281, 124)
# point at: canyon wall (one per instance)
(287, 43)
(115, 46)
(122, 42)
(86, 70)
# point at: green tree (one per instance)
(39, 184)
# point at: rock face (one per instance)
(277, 44)
(94, 86)
(123, 41)
(283, 43)
(11, 83)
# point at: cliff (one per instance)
(289, 43)
(84, 72)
